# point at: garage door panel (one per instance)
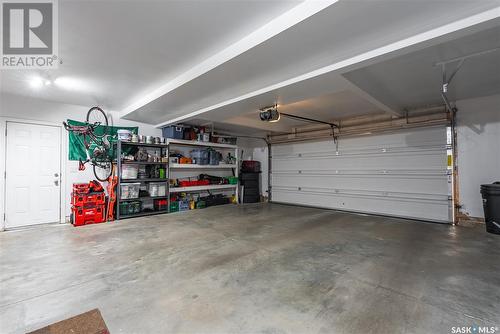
(417, 160)
(411, 139)
(434, 210)
(425, 185)
(403, 174)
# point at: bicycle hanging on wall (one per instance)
(97, 143)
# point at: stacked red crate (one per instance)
(88, 204)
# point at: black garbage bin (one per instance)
(491, 205)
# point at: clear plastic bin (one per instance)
(201, 156)
(157, 189)
(129, 172)
(129, 190)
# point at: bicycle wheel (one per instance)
(103, 170)
(97, 115)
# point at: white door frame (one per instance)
(3, 158)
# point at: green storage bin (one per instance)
(200, 204)
(174, 206)
(123, 208)
(233, 179)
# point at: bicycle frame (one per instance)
(89, 137)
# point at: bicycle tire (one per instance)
(99, 173)
(96, 115)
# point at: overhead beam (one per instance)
(394, 49)
(288, 19)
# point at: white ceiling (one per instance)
(409, 81)
(160, 62)
(413, 81)
(299, 99)
(341, 31)
(120, 50)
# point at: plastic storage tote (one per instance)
(183, 205)
(130, 208)
(160, 204)
(251, 166)
(200, 156)
(174, 132)
(157, 189)
(129, 172)
(214, 157)
(129, 190)
(174, 206)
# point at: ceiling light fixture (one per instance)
(36, 82)
(70, 84)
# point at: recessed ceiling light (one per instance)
(36, 82)
(71, 84)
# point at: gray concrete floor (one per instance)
(253, 269)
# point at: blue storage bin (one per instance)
(184, 205)
(173, 131)
(214, 157)
(201, 156)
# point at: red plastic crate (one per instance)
(78, 199)
(85, 216)
(81, 188)
(160, 204)
(85, 188)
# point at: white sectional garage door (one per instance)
(399, 174)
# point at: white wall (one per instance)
(478, 143)
(14, 107)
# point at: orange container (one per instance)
(185, 160)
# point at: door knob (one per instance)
(56, 182)
(56, 174)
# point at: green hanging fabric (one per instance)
(76, 148)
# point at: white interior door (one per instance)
(33, 169)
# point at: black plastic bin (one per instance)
(491, 205)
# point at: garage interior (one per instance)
(253, 167)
